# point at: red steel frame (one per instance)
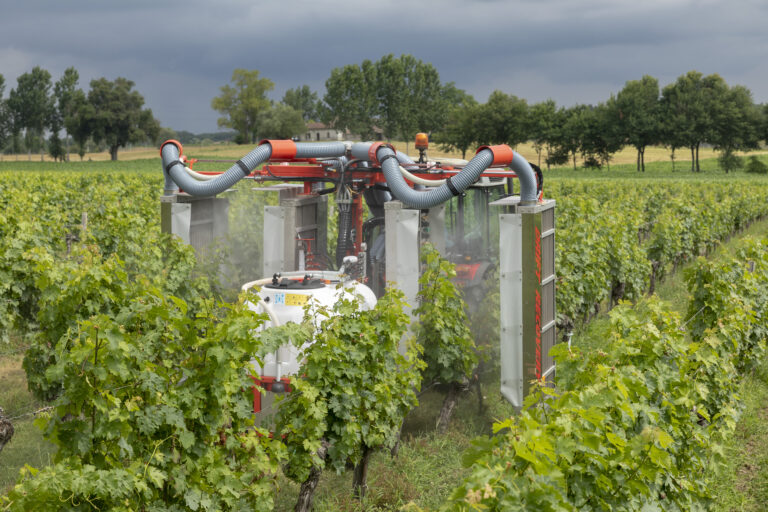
(309, 170)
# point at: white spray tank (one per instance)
(283, 298)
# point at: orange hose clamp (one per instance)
(281, 149)
(375, 148)
(175, 143)
(502, 154)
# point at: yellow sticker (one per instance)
(295, 299)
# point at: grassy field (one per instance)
(28, 445)
(628, 155)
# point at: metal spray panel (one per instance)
(321, 216)
(401, 227)
(527, 288)
(547, 254)
(304, 216)
(548, 219)
(548, 341)
(201, 228)
(200, 222)
(511, 307)
(179, 216)
(274, 234)
(436, 219)
(548, 303)
(531, 249)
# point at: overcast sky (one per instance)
(180, 52)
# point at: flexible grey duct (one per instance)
(320, 149)
(193, 187)
(406, 161)
(527, 179)
(441, 194)
(176, 177)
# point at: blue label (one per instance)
(280, 298)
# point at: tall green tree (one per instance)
(557, 154)
(736, 125)
(281, 122)
(65, 91)
(686, 121)
(32, 106)
(402, 95)
(601, 136)
(241, 103)
(424, 106)
(117, 116)
(639, 112)
(79, 123)
(571, 132)
(351, 102)
(503, 120)
(55, 146)
(542, 120)
(304, 100)
(5, 118)
(672, 132)
(391, 94)
(460, 130)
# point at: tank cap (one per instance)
(296, 284)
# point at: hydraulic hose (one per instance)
(336, 163)
(176, 176)
(343, 237)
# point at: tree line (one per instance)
(37, 110)
(403, 96)
(692, 111)
(399, 95)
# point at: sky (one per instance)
(180, 52)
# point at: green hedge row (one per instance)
(639, 425)
(617, 239)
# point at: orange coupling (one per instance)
(375, 148)
(422, 141)
(281, 149)
(175, 143)
(502, 154)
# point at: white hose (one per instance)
(272, 316)
(198, 176)
(420, 181)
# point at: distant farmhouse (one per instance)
(321, 132)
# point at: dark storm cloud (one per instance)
(179, 53)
